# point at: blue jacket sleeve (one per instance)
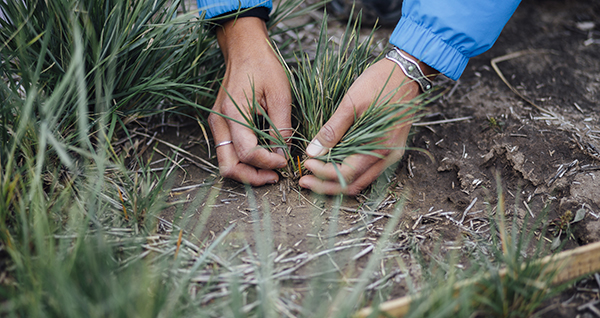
(214, 8)
(446, 33)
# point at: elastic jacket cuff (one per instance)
(259, 12)
(429, 48)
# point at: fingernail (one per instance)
(272, 182)
(315, 148)
(282, 165)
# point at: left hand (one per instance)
(252, 70)
(360, 170)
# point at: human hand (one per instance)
(252, 69)
(360, 170)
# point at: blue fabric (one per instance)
(442, 33)
(446, 33)
(214, 8)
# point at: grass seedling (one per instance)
(137, 55)
(319, 83)
(503, 277)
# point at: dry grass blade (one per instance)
(181, 150)
(514, 55)
(319, 83)
(569, 264)
(439, 122)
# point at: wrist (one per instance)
(416, 70)
(242, 36)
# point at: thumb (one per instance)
(334, 129)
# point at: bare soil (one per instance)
(541, 158)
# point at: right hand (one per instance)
(251, 65)
(360, 170)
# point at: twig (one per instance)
(528, 209)
(200, 185)
(417, 222)
(346, 209)
(438, 122)
(514, 55)
(560, 172)
(229, 191)
(363, 252)
(591, 306)
(178, 244)
(357, 228)
(307, 200)
(467, 210)
(179, 149)
(451, 92)
(314, 256)
(387, 277)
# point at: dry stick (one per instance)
(312, 257)
(122, 203)
(467, 210)
(569, 265)
(528, 209)
(307, 200)
(347, 209)
(205, 136)
(178, 244)
(199, 185)
(590, 306)
(445, 121)
(176, 163)
(229, 191)
(356, 228)
(179, 149)
(511, 56)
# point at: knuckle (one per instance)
(212, 118)
(349, 172)
(227, 171)
(384, 152)
(328, 133)
(353, 190)
(245, 156)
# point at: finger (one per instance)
(229, 165)
(246, 143)
(279, 110)
(371, 174)
(355, 165)
(349, 169)
(241, 172)
(321, 186)
(330, 187)
(363, 92)
(334, 129)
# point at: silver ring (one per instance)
(223, 143)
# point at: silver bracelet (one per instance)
(410, 68)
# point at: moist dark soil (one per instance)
(544, 152)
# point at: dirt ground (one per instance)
(544, 154)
